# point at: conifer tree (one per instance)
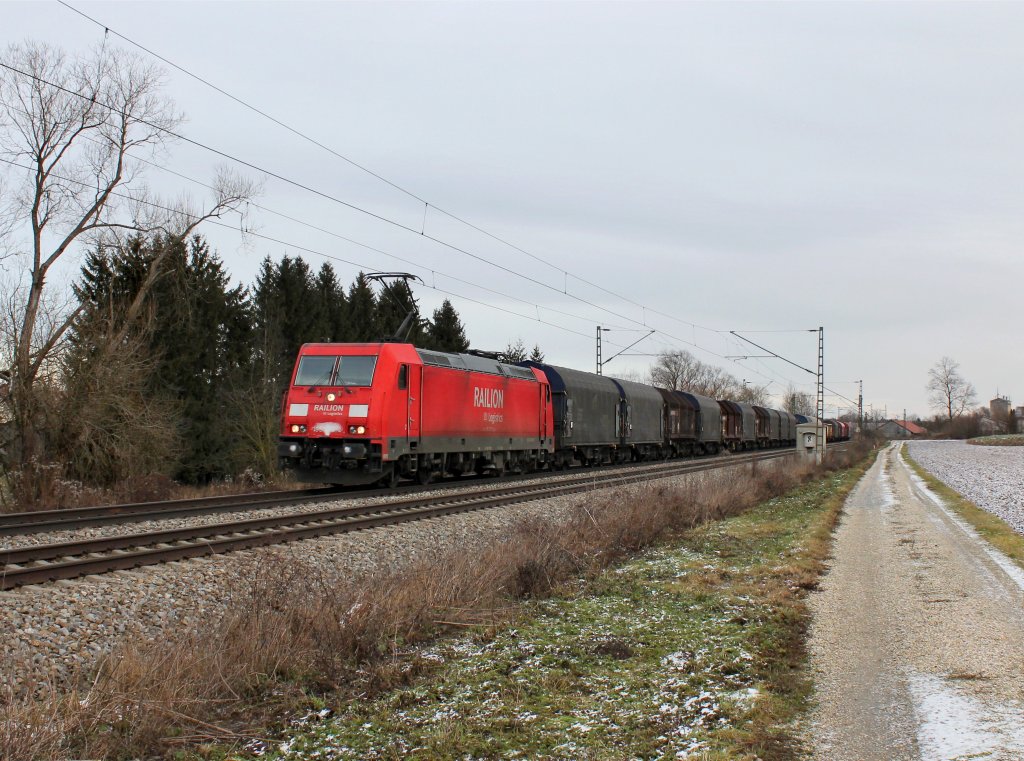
(514, 352)
(286, 315)
(331, 313)
(195, 327)
(536, 355)
(362, 311)
(446, 332)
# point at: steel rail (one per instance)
(13, 524)
(36, 522)
(31, 565)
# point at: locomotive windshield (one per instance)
(356, 371)
(318, 370)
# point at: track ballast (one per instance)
(43, 563)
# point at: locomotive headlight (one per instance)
(298, 428)
(357, 429)
(331, 397)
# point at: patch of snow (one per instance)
(885, 491)
(1014, 571)
(679, 661)
(745, 697)
(954, 725)
(991, 477)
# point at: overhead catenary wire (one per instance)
(306, 249)
(677, 339)
(325, 195)
(784, 359)
(339, 236)
(363, 265)
(394, 223)
(108, 30)
(427, 204)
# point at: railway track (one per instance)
(67, 560)
(14, 524)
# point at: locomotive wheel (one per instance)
(424, 476)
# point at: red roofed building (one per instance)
(901, 429)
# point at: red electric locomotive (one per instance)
(369, 412)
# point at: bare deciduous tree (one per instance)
(950, 392)
(635, 376)
(798, 402)
(749, 393)
(680, 370)
(73, 132)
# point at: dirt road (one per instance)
(917, 644)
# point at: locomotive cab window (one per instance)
(403, 377)
(356, 371)
(315, 371)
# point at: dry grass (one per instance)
(292, 632)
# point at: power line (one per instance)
(354, 242)
(291, 245)
(361, 265)
(784, 359)
(376, 175)
(327, 196)
(241, 102)
(324, 195)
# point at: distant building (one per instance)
(1000, 408)
(901, 429)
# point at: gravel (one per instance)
(990, 477)
(917, 634)
(192, 521)
(55, 630)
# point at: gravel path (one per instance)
(55, 629)
(990, 477)
(917, 642)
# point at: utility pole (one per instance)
(860, 407)
(821, 390)
(601, 361)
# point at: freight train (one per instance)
(363, 413)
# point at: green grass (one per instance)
(696, 646)
(1000, 440)
(991, 528)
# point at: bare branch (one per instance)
(78, 126)
(950, 392)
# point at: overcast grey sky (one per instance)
(736, 166)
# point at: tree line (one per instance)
(154, 362)
(681, 371)
(183, 373)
